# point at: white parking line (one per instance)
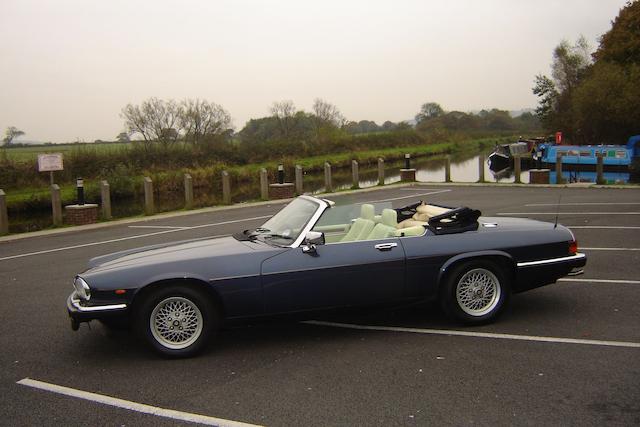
(168, 227)
(568, 213)
(610, 249)
(137, 236)
(452, 332)
(132, 406)
(626, 282)
(418, 189)
(408, 197)
(604, 227)
(583, 204)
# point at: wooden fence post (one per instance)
(447, 169)
(105, 196)
(56, 204)
(299, 177)
(188, 191)
(380, 171)
(149, 205)
(4, 217)
(517, 168)
(264, 184)
(355, 174)
(481, 162)
(559, 179)
(226, 188)
(600, 169)
(327, 178)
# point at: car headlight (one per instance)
(82, 288)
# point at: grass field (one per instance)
(33, 197)
(30, 154)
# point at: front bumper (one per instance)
(79, 311)
(533, 274)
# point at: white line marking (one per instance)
(628, 282)
(407, 197)
(418, 189)
(569, 213)
(132, 406)
(137, 236)
(478, 334)
(610, 249)
(168, 227)
(583, 204)
(604, 227)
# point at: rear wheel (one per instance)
(177, 321)
(475, 292)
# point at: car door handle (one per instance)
(385, 246)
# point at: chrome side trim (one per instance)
(76, 304)
(575, 257)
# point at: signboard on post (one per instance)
(50, 162)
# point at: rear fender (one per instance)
(453, 261)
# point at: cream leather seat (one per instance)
(387, 226)
(362, 226)
(422, 216)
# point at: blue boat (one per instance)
(584, 156)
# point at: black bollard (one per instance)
(280, 174)
(407, 161)
(80, 191)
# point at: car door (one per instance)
(337, 274)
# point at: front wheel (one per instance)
(475, 292)
(177, 321)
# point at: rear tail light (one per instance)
(573, 247)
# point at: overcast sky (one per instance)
(70, 66)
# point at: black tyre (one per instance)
(177, 320)
(475, 292)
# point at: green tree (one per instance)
(429, 110)
(606, 103)
(621, 44)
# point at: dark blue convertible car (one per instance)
(314, 256)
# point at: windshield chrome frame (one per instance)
(322, 206)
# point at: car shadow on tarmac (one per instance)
(525, 309)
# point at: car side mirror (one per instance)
(311, 240)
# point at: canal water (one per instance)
(464, 168)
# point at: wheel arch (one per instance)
(197, 284)
(501, 258)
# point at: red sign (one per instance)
(559, 138)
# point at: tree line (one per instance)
(289, 131)
(594, 97)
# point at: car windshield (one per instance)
(285, 226)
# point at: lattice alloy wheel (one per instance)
(176, 322)
(478, 292)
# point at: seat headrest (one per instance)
(367, 212)
(389, 217)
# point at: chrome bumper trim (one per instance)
(76, 304)
(575, 257)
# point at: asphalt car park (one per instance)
(568, 353)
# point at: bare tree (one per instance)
(200, 119)
(10, 134)
(154, 119)
(284, 112)
(325, 115)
